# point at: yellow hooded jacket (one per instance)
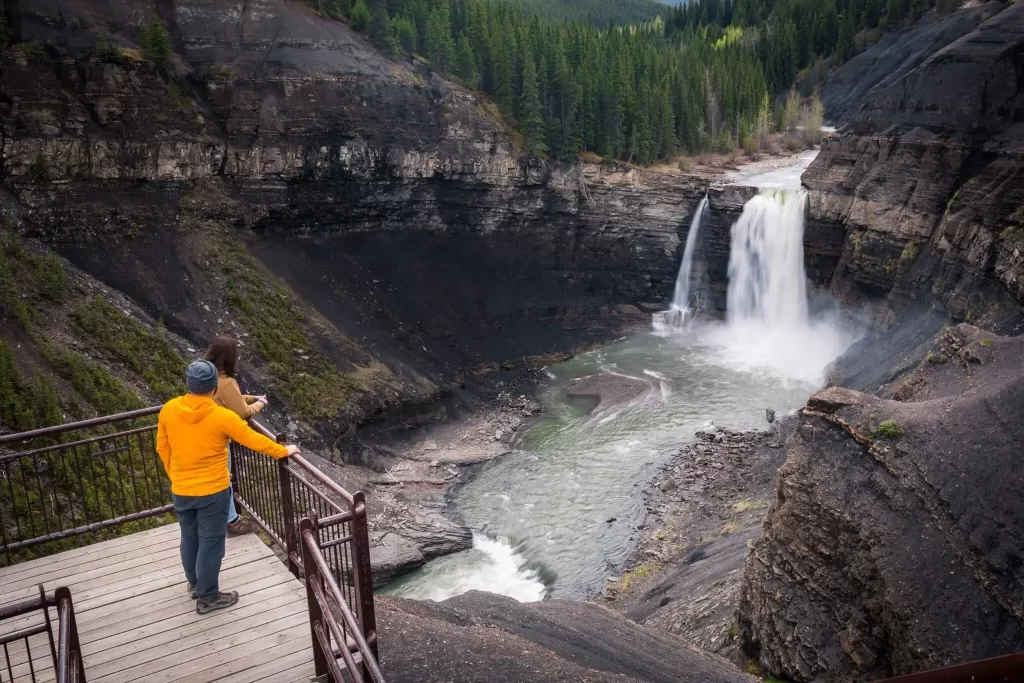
(192, 439)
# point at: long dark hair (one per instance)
(223, 353)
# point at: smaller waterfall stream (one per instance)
(681, 310)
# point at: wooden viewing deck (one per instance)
(137, 622)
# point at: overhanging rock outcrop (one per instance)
(895, 542)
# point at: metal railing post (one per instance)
(70, 667)
(291, 540)
(363, 578)
(316, 615)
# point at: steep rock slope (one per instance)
(285, 175)
(480, 637)
(894, 544)
(926, 177)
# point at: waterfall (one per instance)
(680, 312)
(767, 282)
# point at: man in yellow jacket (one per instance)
(192, 440)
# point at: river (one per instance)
(560, 515)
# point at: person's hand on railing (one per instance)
(293, 449)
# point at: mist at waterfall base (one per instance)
(559, 515)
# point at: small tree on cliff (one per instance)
(531, 118)
(440, 46)
(360, 16)
(155, 43)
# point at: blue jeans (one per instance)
(203, 521)
(232, 513)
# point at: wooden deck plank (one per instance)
(259, 575)
(291, 667)
(141, 539)
(175, 622)
(137, 622)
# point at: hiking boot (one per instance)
(208, 603)
(240, 527)
(192, 591)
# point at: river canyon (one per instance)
(537, 370)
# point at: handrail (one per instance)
(322, 610)
(65, 654)
(70, 668)
(67, 484)
(94, 422)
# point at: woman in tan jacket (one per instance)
(223, 353)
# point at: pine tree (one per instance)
(845, 46)
(405, 33)
(46, 408)
(465, 62)
(440, 47)
(360, 16)
(380, 27)
(502, 75)
(155, 43)
(531, 120)
(338, 9)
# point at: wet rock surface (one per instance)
(709, 502)
(489, 638)
(901, 510)
(607, 391)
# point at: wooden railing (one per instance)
(83, 482)
(65, 653)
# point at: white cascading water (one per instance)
(681, 311)
(767, 282)
(768, 328)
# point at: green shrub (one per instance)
(937, 359)
(888, 430)
(987, 342)
(105, 52)
(360, 16)
(155, 43)
(25, 405)
(311, 384)
(146, 353)
(39, 169)
(909, 252)
(51, 279)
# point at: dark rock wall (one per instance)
(397, 204)
(887, 555)
(927, 174)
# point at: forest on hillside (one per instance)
(710, 76)
(601, 13)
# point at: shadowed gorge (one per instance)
(695, 387)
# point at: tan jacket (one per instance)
(231, 397)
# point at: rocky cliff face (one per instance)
(891, 546)
(926, 176)
(391, 209)
(894, 543)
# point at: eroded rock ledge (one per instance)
(894, 545)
